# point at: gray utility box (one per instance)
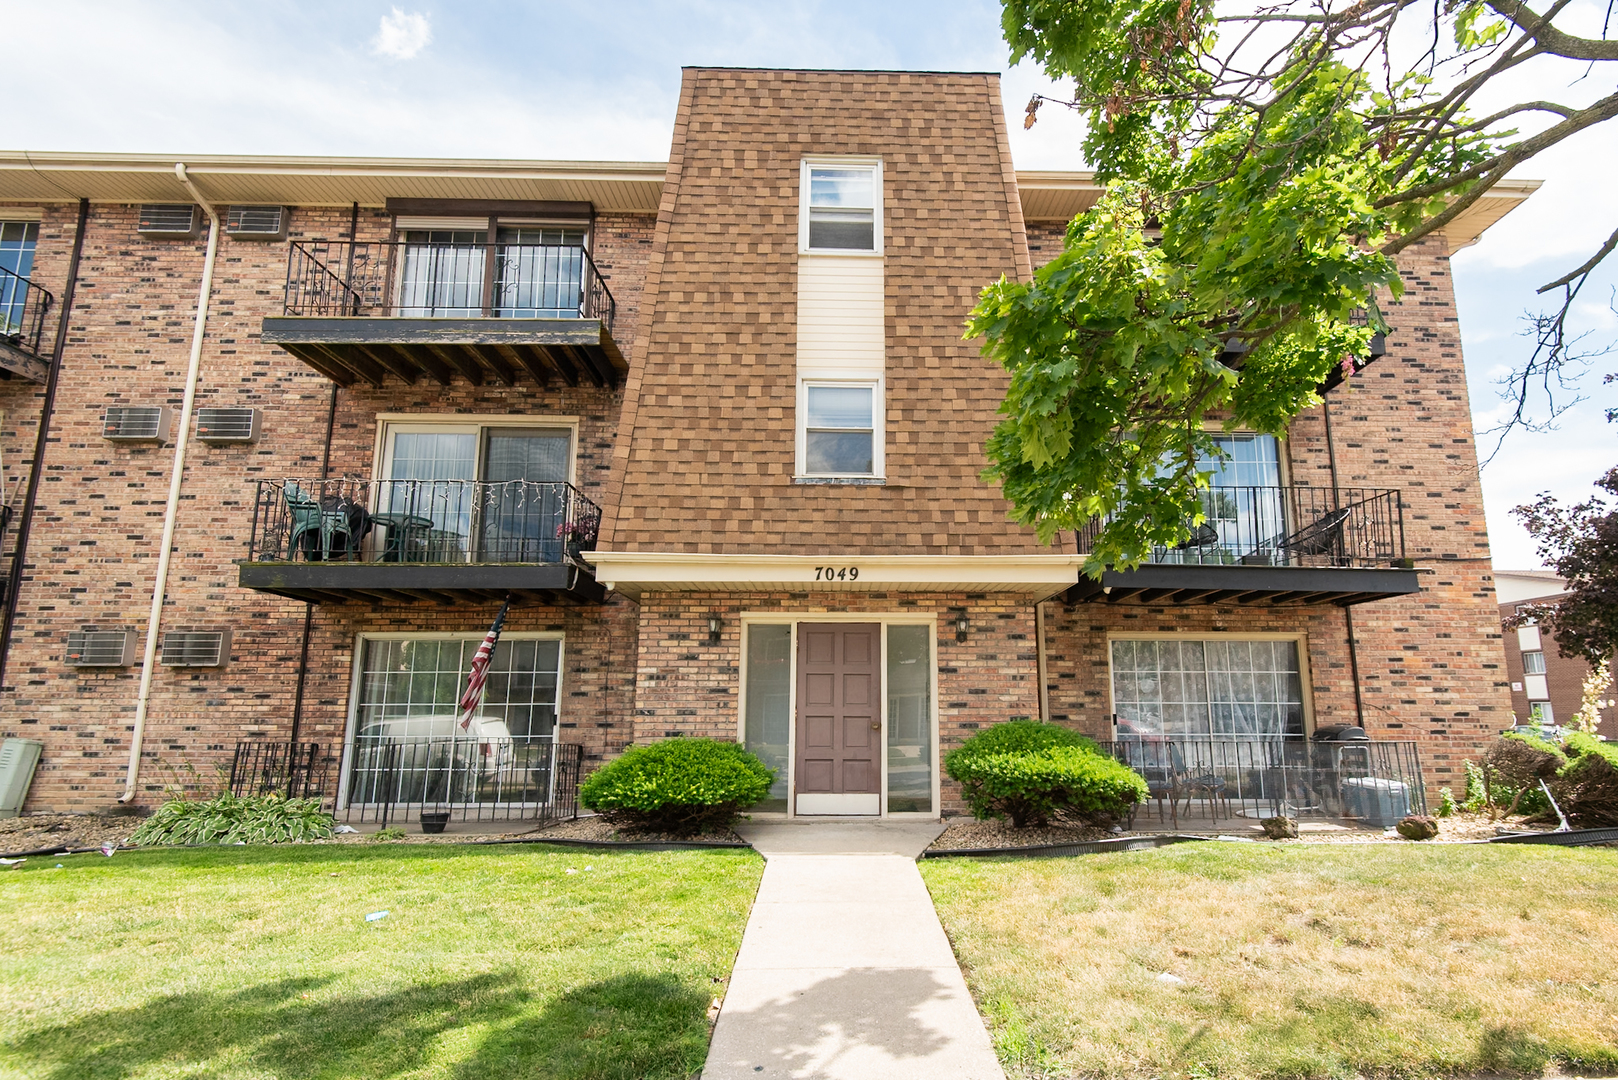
(18, 759)
(1376, 801)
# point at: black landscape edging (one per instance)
(624, 845)
(1086, 847)
(63, 849)
(1572, 838)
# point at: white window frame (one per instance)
(357, 674)
(879, 463)
(387, 424)
(1533, 652)
(809, 163)
(1547, 715)
(750, 619)
(1306, 683)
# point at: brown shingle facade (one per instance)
(692, 457)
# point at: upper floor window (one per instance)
(17, 240)
(839, 433)
(532, 272)
(841, 204)
(1533, 663)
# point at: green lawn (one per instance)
(251, 963)
(1297, 960)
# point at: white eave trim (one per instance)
(635, 572)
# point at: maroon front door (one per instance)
(839, 734)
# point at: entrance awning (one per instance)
(635, 572)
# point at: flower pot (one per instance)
(433, 821)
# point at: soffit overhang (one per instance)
(611, 186)
(635, 573)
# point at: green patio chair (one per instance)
(311, 521)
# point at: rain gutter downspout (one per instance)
(172, 508)
(42, 439)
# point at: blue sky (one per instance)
(599, 81)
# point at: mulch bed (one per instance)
(599, 831)
(962, 833)
(34, 832)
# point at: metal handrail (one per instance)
(421, 521)
(23, 307)
(488, 279)
(1286, 525)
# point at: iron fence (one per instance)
(23, 307)
(1286, 526)
(468, 777)
(1257, 776)
(298, 771)
(420, 521)
(411, 279)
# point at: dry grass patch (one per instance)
(1293, 961)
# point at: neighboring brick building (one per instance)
(1546, 687)
(756, 373)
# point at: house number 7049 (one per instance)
(837, 573)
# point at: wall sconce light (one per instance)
(960, 627)
(713, 629)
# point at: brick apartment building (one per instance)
(711, 426)
(1546, 687)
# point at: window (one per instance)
(458, 492)
(767, 723)
(839, 430)
(408, 745)
(17, 240)
(1540, 712)
(1243, 506)
(1533, 663)
(1178, 686)
(538, 273)
(841, 206)
(910, 719)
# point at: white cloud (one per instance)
(402, 36)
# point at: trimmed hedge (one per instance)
(677, 786)
(1031, 772)
(1587, 788)
(258, 819)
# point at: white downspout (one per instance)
(171, 509)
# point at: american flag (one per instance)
(480, 669)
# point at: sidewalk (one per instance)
(844, 971)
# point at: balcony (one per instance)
(1273, 546)
(23, 307)
(442, 541)
(485, 311)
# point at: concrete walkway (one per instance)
(844, 971)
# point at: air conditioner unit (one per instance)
(136, 423)
(167, 220)
(18, 759)
(227, 425)
(100, 648)
(193, 648)
(257, 222)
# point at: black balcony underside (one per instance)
(446, 584)
(1273, 586)
(364, 349)
(18, 361)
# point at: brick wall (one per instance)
(100, 513)
(685, 686)
(1564, 678)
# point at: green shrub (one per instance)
(1446, 802)
(259, 819)
(678, 786)
(1020, 736)
(1587, 788)
(1036, 771)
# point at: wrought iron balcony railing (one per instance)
(23, 307)
(1255, 776)
(420, 521)
(406, 279)
(1287, 526)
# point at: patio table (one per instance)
(407, 536)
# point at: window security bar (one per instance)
(410, 279)
(1286, 526)
(421, 521)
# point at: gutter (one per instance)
(172, 508)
